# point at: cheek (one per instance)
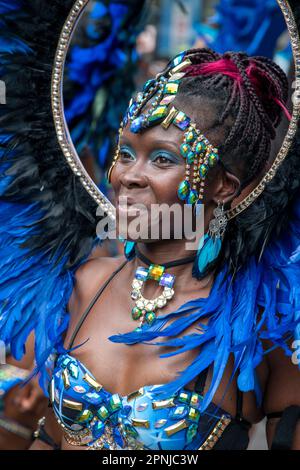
(165, 184)
(115, 179)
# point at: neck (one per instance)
(165, 251)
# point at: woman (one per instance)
(200, 134)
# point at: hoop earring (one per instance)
(210, 243)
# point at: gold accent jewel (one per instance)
(169, 119)
(182, 424)
(52, 390)
(92, 382)
(141, 423)
(135, 394)
(73, 405)
(157, 405)
(66, 379)
(181, 66)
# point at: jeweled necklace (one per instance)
(144, 309)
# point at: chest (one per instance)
(120, 366)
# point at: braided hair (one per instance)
(252, 92)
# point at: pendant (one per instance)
(144, 309)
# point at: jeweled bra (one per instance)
(93, 417)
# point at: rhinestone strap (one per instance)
(216, 433)
(61, 127)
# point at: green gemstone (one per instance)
(103, 412)
(194, 414)
(195, 400)
(190, 157)
(200, 147)
(171, 88)
(203, 170)
(73, 369)
(159, 113)
(213, 159)
(192, 197)
(115, 402)
(191, 433)
(150, 317)
(190, 136)
(183, 190)
(130, 430)
(136, 313)
(185, 149)
(85, 417)
(184, 397)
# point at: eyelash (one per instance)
(161, 155)
(124, 154)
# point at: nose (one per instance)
(134, 175)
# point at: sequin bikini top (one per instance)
(92, 416)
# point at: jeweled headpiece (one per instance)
(197, 151)
(200, 155)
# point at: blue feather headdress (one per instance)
(48, 229)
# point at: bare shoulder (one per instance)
(88, 279)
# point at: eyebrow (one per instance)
(156, 142)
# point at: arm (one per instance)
(282, 392)
(52, 429)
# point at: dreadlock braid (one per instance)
(252, 91)
(251, 98)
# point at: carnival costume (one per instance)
(48, 220)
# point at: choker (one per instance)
(144, 309)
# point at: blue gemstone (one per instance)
(185, 149)
(192, 197)
(148, 85)
(200, 147)
(179, 412)
(73, 369)
(182, 121)
(65, 362)
(125, 120)
(190, 157)
(98, 429)
(141, 273)
(203, 170)
(167, 280)
(93, 398)
(118, 437)
(132, 109)
(191, 433)
(183, 190)
(137, 124)
(178, 59)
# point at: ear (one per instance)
(227, 188)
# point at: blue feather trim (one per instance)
(263, 302)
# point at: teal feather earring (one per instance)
(129, 249)
(210, 243)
